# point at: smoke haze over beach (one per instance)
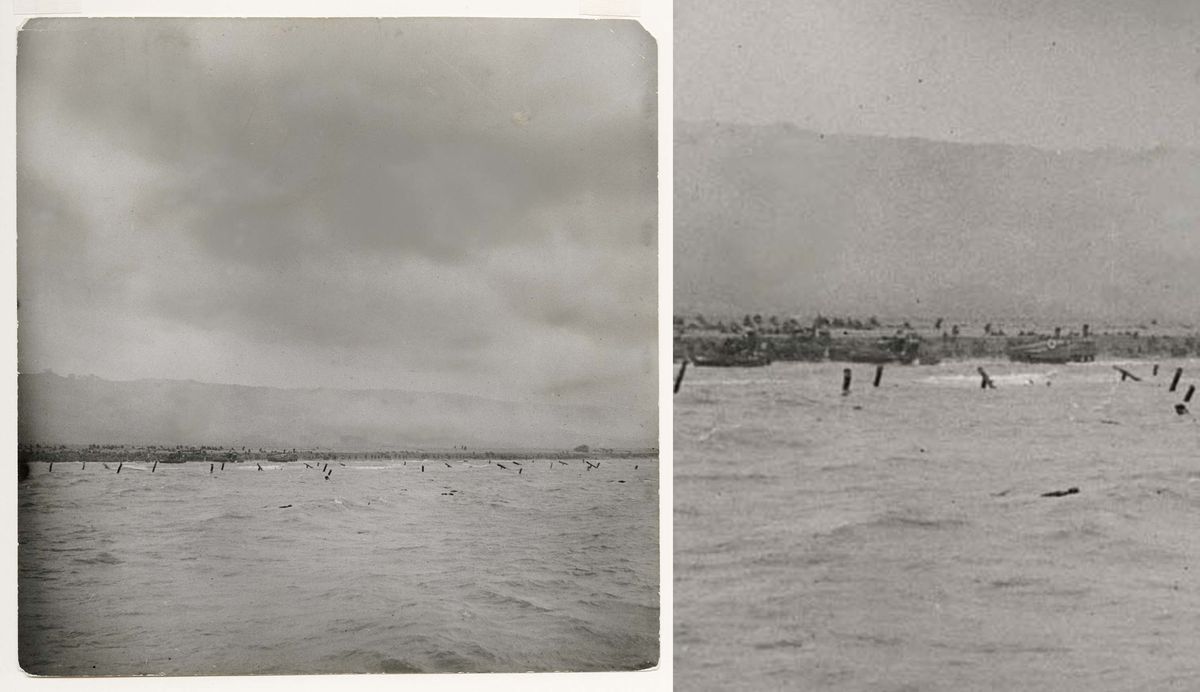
(1039, 160)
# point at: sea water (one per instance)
(381, 568)
(898, 538)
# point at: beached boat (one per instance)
(282, 457)
(889, 349)
(732, 360)
(1054, 351)
(745, 352)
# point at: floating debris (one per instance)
(1061, 493)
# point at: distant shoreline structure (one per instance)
(830, 339)
(62, 453)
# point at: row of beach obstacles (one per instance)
(986, 381)
(327, 472)
(1180, 408)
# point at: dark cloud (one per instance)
(410, 194)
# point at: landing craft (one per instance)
(888, 349)
(732, 360)
(735, 353)
(1054, 351)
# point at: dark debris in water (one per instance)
(1061, 493)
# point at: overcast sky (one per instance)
(441, 205)
(1053, 74)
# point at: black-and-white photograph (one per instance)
(936, 338)
(338, 345)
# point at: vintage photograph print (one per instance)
(337, 346)
(937, 319)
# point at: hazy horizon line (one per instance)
(1161, 146)
(74, 375)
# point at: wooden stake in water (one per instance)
(51, 469)
(154, 468)
(1191, 390)
(210, 469)
(986, 382)
(258, 465)
(845, 381)
(119, 466)
(222, 466)
(679, 377)
(1155, 373)
(878, 374)
(1175, 379)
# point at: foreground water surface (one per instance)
(382, 568)
(897, 538)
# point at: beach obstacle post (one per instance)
(155, 467)
(1191, 390)
(1126, 374)
(878, 374)
(986, 381)
(119, 466)
(1175, 379)
(679, 377)
(846, 375)
(51, 469)
(210, 469)
(1155, 373)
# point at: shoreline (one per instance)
(804, 346)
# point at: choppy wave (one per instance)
(381, 568)
(898, 538)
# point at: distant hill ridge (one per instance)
(90, 410)
(775, 218)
